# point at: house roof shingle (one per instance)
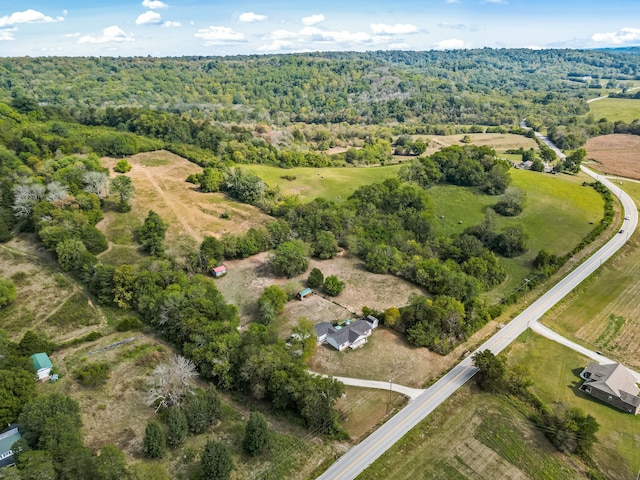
(614, 379)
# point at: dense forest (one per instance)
(488, 86)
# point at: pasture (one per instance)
(332, 183)
(551, 200)
(584, 316)
(613, 109)
(473, 435)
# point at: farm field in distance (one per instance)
(615, 154)
(625, 109)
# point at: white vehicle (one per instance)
(627, 217)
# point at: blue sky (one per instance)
(213, 27)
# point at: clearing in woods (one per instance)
(616, 154)
(159, 181)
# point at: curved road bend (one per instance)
(411, 393)
(362, 455)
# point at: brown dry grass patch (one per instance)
(159, 181)
(616, 154)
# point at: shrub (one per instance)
(315, 279)
(128, 324)
(93, 374)
(333, 286)
(123, 166)
(7, 292)
(256, 434)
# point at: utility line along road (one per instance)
(362, 455)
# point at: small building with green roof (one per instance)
(43, 365)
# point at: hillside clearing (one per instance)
(625, 109)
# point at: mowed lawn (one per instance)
(555, 371)
(333, 183)
(613, 290)
(557, 215)
(613, 109)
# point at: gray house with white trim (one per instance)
(613, 384)
(7, 439)
(350, 335)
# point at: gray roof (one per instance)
(324, 328)
(614, 379)
(7, 439)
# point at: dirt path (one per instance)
(185, 225)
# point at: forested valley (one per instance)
(59, 116)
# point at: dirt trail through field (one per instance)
(179, 215)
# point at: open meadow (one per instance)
(159, 181)
(603, 312)
(625, 109)
(473, 435)
(551, 200)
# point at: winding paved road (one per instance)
(362, 455)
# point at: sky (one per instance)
(213, 27)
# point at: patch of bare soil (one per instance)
(246, 279)
(617, 154)
(159, 181)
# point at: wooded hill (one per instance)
(487, 86)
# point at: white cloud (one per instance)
(154, 4)
(397, 29)
(451, 1)
(27, 16)
(171, 24)
(218, 35)
(399, 46)
(149, 17)
(250, 17)
(280, 35)
(65, 12)
(6, 34)
(327, 36)
(313, 19)
(275, 46)
(451, 44)
(72, 35)
(624, 35)
(501, 2)
(109, 34)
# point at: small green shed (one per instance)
(43, 365)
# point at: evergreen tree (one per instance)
(154, 440)
(256, 434)
(178, 426)
(152, 234)
(216, 461)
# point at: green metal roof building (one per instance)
(43, 365)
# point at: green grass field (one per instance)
(472, 436)
(613, 109)
(331, 183)
(613, 290)
(551, 201)
(555, 370)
